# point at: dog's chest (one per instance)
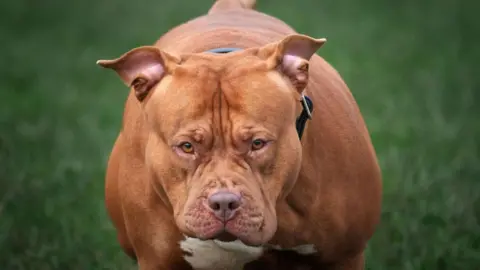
(212, 254)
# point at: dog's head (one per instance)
(222, 146)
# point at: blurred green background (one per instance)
(412, 65)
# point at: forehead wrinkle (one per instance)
(217, 117)
(227, 122)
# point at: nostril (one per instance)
(215, 206)
(233, 205)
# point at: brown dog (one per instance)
(210, 169)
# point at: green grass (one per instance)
(410, 64)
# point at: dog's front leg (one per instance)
(159, 250)
(153, 235)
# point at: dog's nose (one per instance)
(224, 204)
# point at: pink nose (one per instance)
(224, 204)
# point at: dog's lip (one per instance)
(225, 236)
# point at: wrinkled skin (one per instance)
(196, 124)
(211, 114)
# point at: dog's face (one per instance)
(222, 146)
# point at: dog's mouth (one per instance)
(245, 223)
(225, 236)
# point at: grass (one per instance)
(410, 64)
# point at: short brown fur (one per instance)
(323, 190)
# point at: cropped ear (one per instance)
(142, 68)
(291, 57)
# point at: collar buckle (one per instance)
(306, 107)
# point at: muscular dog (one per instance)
(240, 148)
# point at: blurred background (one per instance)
(412, 66)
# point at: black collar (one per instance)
(307, 103)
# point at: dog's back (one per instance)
(229, 23)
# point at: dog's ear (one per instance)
(291, 57)
(142, 68)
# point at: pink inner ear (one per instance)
(291, 66)
(153, 72)
(144, 62)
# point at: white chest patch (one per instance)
(213, 254)
(218, 255)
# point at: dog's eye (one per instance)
(187, 147)
(257, 144)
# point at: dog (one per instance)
(240, 148)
